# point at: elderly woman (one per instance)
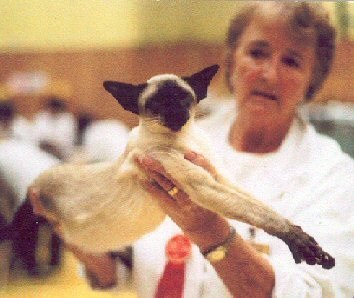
(278, 56)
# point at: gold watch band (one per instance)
(218, 252)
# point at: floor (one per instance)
(62, 282)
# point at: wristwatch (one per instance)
(218, 252)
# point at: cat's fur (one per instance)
(102, 206)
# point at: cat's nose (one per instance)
(175, 120)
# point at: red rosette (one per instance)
(178, 249)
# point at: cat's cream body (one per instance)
(102, 206)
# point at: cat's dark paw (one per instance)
(305, 248)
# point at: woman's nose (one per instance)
(270, 71)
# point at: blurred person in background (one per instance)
(105, 140)
(21, 160)
(12, 124)
(20, 163)
(55, 128)
(99, 140)
(279, 54)
(84, 120)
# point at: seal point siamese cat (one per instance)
(102, 206)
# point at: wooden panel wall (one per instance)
(85, 71)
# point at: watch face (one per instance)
(217, 255)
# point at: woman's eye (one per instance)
(258, 53)
(292, 62)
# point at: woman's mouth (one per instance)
(265, 95)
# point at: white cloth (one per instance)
(308, 180)
(20, 163)
(105, 140)
(149, 263)
(19, 129)
(59, 129)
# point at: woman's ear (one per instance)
(126, 94)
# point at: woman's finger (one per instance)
(180, 196)
(38, 209)
(57, 229)
(150, 166)
(154, 189)
(158, 193)
(155, 171)
(156, 176)
(164, 183)
(33, 195)
(153, 165)
(201, 161)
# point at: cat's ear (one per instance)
(201, 80)
(126, 94)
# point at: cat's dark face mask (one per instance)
(171, 104)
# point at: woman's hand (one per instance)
(100, 269)
(203, 226)
(244, 271)
(38, 209)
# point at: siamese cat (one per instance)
(102, 206)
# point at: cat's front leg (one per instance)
(232, 202)
(219, 197)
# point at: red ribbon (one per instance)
(171, 284)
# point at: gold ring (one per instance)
(173, 191)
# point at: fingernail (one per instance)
(142, 183)
(147, 185)
(191, 155)
(148, 161)
(34, 190)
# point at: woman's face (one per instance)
(271, 72)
